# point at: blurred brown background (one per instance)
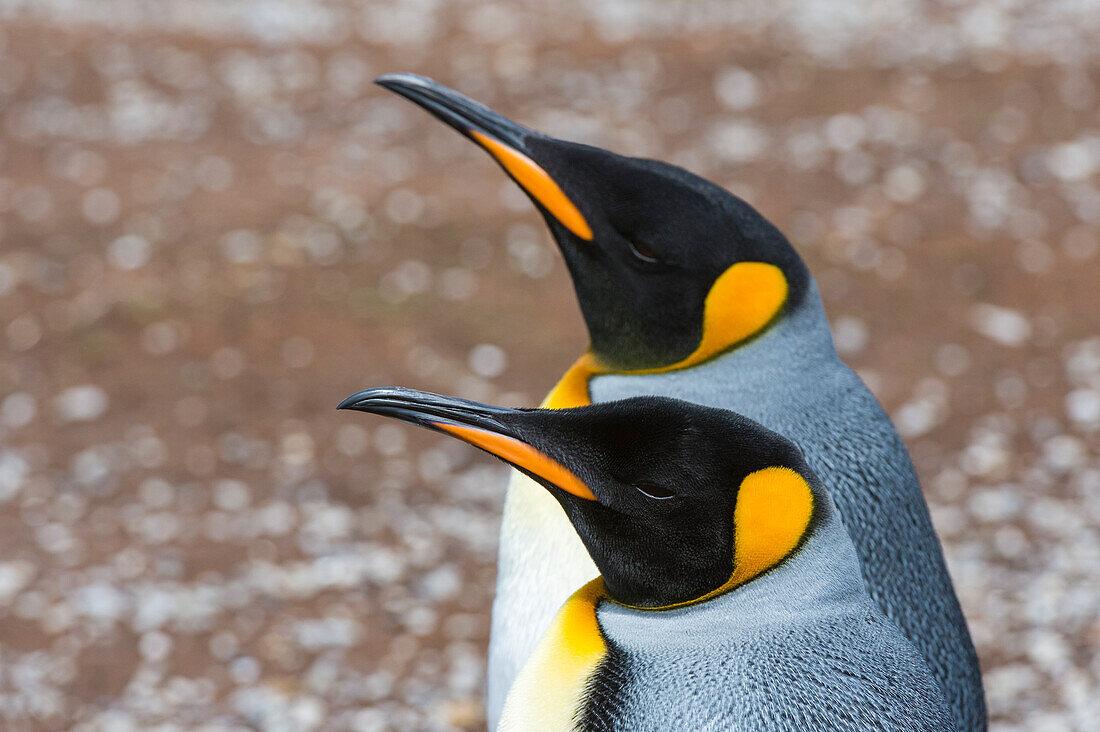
(214, 228)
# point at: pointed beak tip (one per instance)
(360, 397)
(349, 402)
(401, 79)
(464, 114)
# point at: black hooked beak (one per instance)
(481, 425)
(499, 136)
(456, 110)
(426, 409)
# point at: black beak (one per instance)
(501, 138)
(425, 409)
(456, 110)
(480, 425)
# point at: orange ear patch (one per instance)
(741, 302)
(538, 183)
(773, 512)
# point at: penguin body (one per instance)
(688, 292)
(802, 647)
(791, 380)
(730, 595)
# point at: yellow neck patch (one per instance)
(772, 514)
(549, 691)
(537, 182)
(741, 303)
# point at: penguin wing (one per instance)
(854, 671)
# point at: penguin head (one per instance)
(675, 502)
(669, 268)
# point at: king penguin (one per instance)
(729, 595)
(689, 292)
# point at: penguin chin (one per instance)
(628, 332)
(641, 574)
(649, 596)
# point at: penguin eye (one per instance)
(643, 251)
(652, 490)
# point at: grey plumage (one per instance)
(640, 222)
(799, 648)
(791, 380)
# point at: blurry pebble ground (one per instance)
(214, 228)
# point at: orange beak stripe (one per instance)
(521, 455)
(538, 183)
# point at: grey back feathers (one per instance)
(791, 381)
(801, 647)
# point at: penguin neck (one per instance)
(822, 572)
(796, 344)
(798, 339)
